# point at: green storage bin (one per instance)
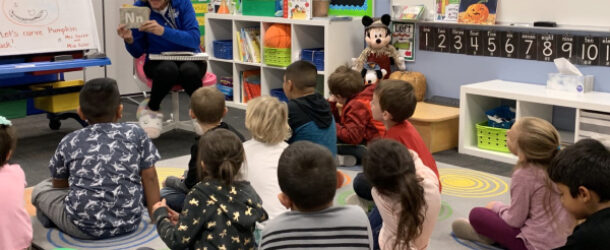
(491, 138)
(258, 7)
(277, 57)
(13, 109)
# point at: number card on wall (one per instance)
(586, 50)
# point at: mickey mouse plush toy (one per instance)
(372, 73)
(379, 50)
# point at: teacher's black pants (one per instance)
(166, 74)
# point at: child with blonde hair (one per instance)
(535, 218)
(220, 211)
(15, 224)
(267, 121)
(406, 196)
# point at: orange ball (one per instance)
(277, 36)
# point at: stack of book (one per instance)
(248, 42)
(251, 84)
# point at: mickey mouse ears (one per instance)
(382, 22)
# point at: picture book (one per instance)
(251, 83)
(414, 12)
(248, 45)
(447, 10)
(403, 38)
(478, 12)
(299, 9)
(133, 17)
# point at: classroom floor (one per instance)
(467, 181)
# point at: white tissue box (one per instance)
(570, 83)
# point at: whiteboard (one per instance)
(563, 12)
(39, 26)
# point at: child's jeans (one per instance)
(174, 193)
(488, 223)
(376, 223)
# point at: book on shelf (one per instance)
(251, 84)
(299, 9)
(248, 41)
(413, 12)
(447, 10)
(478, 12)
(179, 56)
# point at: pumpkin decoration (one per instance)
(277, 36)
(416, 79)
(477, 13)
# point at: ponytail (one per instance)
(413, 208)
(222, 155)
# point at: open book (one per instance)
(179, 56)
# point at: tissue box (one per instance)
(570, 83)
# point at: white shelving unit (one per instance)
(529, 99)
(341, 39)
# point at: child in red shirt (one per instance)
(393, 103)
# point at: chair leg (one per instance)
(174, 121)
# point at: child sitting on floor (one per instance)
(354, 120)
(307, 178)
(406, 196)
(581, 172)
(393, 103)
(535, 218)
(220, 211)
(267, 121)
(100, 172)
(15, 225)
(208, 108)
(309, 114)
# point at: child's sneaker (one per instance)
(149, 120)
(462, 229)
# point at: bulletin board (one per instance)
(351, 7)
(40, 26)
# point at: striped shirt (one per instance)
(342, 227)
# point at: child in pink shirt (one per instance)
(534, 219)
(15, 224)
(406, 196)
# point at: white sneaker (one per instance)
(346, 160)
(353, 199)
(151, 122)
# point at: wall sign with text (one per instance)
(586, 50)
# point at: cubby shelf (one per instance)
(530, 100)
(341, 38)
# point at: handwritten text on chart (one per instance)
(67, 34)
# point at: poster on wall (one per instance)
(351, 8)
(201, 7)
(403, 38)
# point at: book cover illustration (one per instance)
(478, 12)
(133, 17)
(408, 12)
(299, 9)
(447, 10)
(403, 38)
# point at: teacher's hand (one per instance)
(125, 34)
(151, 26)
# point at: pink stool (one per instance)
(209, 79)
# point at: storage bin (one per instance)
(503, 112)
(223, 49)
(279, 94)
(226, 87)
(258, 7)
(277, 57)
(12, 109)
(57, 103)
(491, 138)
(314, 56)
(594, 124)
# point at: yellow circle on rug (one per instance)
(471, 184)
(164, 172)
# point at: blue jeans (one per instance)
(173, 197)
(376, 223)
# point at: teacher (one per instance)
(172, 27)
